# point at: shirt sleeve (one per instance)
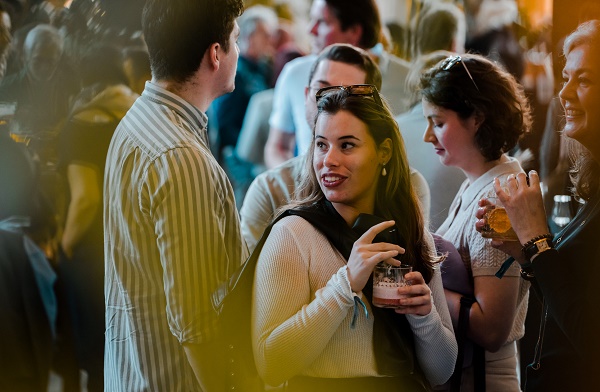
(435, 342)
(197, 234)
(282, 116)
(256, 212)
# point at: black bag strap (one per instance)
(478, 368)
(478, 351)
(461, 340)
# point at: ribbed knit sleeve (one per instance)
(434, 336)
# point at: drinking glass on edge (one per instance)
(386, 280)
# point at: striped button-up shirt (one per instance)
(172, 235)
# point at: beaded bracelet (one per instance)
(534, 240)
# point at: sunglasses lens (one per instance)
(450, 62)
(357, 90)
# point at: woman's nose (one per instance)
(331, 158)
(566, 91)
(428, 135)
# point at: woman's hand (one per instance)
(511, 248)
(416, 296)
(366, 255)
(524, 205)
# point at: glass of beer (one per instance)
(498, 225)
(386, 281)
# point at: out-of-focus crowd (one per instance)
(71, 70)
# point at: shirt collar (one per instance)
(176, 103)
(473, 191)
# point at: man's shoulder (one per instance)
(296, 69)
(286, 172)
(278, 183)
(301, 62)
(154, 129)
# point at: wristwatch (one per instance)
(537, 247)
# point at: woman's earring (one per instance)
(383, 171)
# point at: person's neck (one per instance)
(479, 166)
(190, 91)
(349, 213)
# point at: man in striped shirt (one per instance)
(171, 227)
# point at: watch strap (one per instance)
(539, 246)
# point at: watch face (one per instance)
(542, 246)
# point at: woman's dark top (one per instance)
(568, 278)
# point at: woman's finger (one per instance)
(388, 257)
(370, 234)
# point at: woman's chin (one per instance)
(574, 131)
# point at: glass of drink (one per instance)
(386, 281)
(498, 225)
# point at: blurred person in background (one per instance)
(84, 142)
(44, 87)
(5, 39)
(331, 21)
(437, 27)
(28, 304)
(258, 25)
(136, 65)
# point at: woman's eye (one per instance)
(584, 81)
(347, 145)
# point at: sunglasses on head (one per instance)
(359, 90)
(452, 61)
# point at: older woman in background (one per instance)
(566, 268)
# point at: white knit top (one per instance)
(303, 307)
(475, 250)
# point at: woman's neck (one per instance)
(349, 213)
(480, 166)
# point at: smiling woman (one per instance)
(565, 269)
(314, 273)
(347, 162)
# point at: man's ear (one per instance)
(213, 56)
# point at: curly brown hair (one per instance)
(493, 94)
